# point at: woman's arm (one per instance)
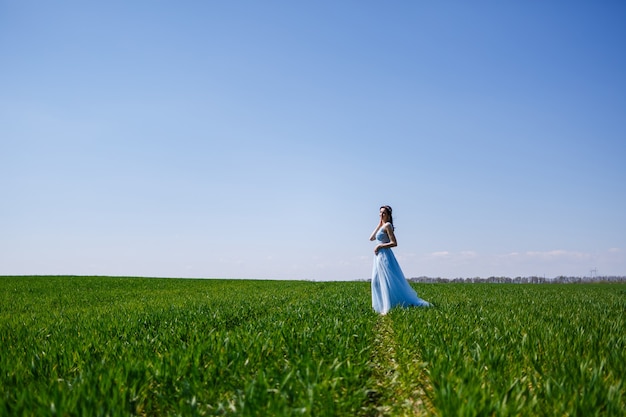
(373, 235)
(392, 238)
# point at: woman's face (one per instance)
(383, 213)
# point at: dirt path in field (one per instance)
(392, 395)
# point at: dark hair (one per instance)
(389, 211)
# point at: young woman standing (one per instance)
(389, 286)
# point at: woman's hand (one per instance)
(378, 248)
(380, 224)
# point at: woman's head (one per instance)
(386, 214)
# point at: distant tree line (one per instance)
(524, 280)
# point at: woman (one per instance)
(389, 287)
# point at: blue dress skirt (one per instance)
(389, 286)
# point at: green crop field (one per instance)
(103, 346)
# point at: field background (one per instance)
(139, 346)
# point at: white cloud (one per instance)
(557, 254)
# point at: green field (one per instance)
(98, 346)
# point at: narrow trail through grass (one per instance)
(397, 393)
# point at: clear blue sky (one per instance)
(257, 139)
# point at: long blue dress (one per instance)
(389, 286)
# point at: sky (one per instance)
(258, 139)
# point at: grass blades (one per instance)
(109, 346)
(103, 346)
(515, 350)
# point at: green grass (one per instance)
(514, 350)
(109, 346)
(136, 346)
